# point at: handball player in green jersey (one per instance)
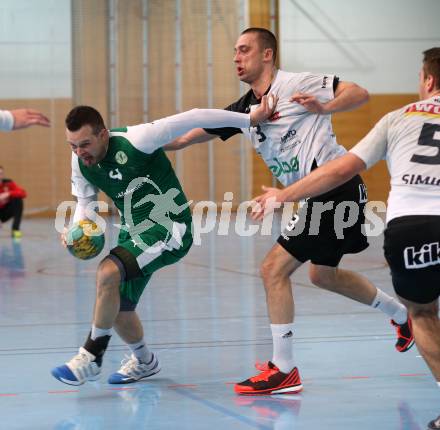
(129, 165)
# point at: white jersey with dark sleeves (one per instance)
(409, 140)
(294, 139)
(6, 120)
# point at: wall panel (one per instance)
(39, 158)
(90, 53)
(194, 92)
(161, 59)
(129, 62)
(227, 155)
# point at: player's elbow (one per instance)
(359, 94)
(179, 143)
(363, 96)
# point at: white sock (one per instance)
(99, 332)
(282, 337)
(390, 306)
(438, 383)
(141, 351)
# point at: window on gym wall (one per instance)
(35, 49)
(377, 44)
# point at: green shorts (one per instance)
(152, 250)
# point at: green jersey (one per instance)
(142, 185)
(139, 178)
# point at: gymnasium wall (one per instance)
(139, 60)
(35, 72)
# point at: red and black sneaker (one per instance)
(405, 337)
(270, 380)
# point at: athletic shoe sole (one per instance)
(130, 380)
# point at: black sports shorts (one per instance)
(328, 226)
(412, 250)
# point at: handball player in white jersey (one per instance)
(295, 140)
(409, 140)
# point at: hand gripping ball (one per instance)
(85, 240)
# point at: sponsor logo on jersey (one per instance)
(289, 146)
(426, 109)
(363, 194)
(115, 174)
(289, 141)
(284, 167)
(324, 82)
(133, 189)
(427, 255)
(288, 136)
(121, 157)
(420, 180)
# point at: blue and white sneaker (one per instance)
(133, 370)
(79, 369)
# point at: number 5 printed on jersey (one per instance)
(429, 136)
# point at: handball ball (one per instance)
(85, 240)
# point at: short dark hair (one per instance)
(266, 38)
(431, 65)
(84, 115)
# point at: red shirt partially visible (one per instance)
(15, 192)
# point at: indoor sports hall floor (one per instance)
(206, 318)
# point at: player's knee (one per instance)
(266, 268)
(271, 271)
(108, 275)
(321, 278)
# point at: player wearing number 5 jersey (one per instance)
(409, 140)
(295, 140)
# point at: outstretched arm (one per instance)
(200, 135)
(319, 181)
(348, 96)
(151, 136)
(197, 135)
(22, 118)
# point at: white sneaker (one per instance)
(79, 369)
(133, 370)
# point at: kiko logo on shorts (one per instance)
(428, 255)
